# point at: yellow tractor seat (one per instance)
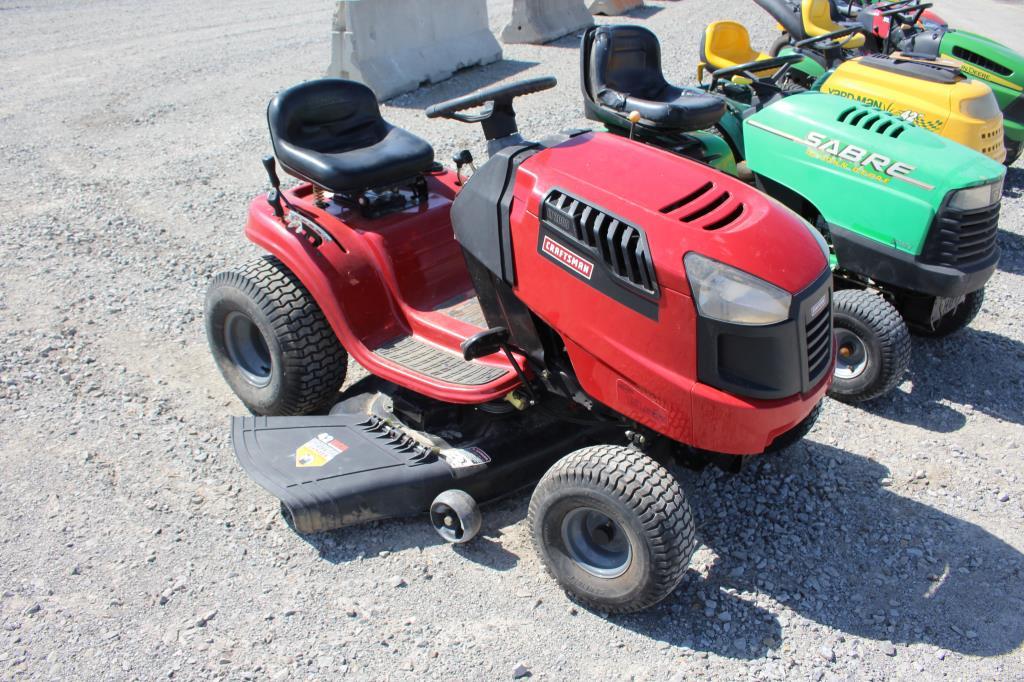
(726, 44)
(817, 18)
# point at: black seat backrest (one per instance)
(329, 115)
(788, 14)
(623, 59)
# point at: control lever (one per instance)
(274, 195)
(463, 158)
(634, 118)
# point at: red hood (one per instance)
(681, 205)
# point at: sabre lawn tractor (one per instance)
(905, 40)
(910, 217)
(555, 301)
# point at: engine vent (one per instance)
(972, 57)
(709, 204)
(621, 246)
(872, 120)
(962, 239)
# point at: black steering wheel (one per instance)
(763, 86)
(829, 40)
(495, 98)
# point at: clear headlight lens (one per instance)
(724, 293)
(985, 107)
(974, 198)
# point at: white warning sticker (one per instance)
(316, 452)
(459, 458)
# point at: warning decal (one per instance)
(316, 452)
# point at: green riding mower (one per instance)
(908, 31)
(908, 218)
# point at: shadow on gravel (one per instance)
(1011, 252)
(395, 535)
(816, 529)
(972, 367)
(477, 78)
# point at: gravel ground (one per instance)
(886, 545)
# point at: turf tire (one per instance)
(882, 330)
(647, 503)
(307, 363)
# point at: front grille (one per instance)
(972, 57)
(818, 333)
(960, 239)
(621, 246)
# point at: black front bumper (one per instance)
(936, 272)
(770, 362)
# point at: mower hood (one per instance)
(679, 205)
(862, 168)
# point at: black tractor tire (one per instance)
(613, 527)
(956, 319)
(782, 41)
(271, 341)
(1013, 150)
(874, 346)
(797, 433)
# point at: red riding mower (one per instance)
(564, 298)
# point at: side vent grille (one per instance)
(703, 202)
(621, 246)
(872, 120)
(972, 57)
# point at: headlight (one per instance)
(724, 293)
(985, 107)
(974, 198)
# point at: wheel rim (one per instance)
(247, 349)
(852, 358)
(596, 543)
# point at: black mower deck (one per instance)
(343, 469)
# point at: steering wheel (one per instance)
(829, 40)
(762, 85)
(495, 98)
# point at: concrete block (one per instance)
(613, 8)
(394, 46)
(541, 21)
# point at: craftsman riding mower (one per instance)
(564, 298)
(930, 94)
(910, 217)
(904, 30)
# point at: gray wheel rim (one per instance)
(247, 349)
(596, 543)
(852, 358)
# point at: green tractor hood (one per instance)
(860, 168)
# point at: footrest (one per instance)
(411, 353)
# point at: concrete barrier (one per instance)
(614, 8)
(541, 21)
(395, 45)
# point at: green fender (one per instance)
(995, 64)
(870, 173)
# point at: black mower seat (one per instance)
(622, 72)
(330, 132)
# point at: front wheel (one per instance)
(271, 341)
(873, 346)
(1013, 149)
(613, 527)
(956, 319)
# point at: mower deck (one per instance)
(352, 467)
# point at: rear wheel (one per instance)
(956, 319)
(271, 341)
(613, 527)
(873, 346)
